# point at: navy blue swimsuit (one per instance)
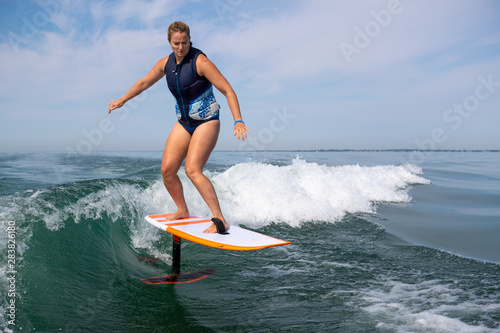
(196, 102)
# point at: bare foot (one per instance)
(213, 229)
(178, 215)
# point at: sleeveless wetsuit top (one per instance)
(194, 94)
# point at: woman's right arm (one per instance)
(147, 81)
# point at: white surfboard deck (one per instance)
(191, 228)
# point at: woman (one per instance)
(190, 76)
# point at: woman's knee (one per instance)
(168, 170)
(192, 172)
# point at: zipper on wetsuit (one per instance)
(183, 111)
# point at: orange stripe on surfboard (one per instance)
(185, 223)
(161, 215)
(163, 219)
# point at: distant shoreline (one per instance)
(402, 150)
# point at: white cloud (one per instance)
(146, 13)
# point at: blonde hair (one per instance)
(178, 26)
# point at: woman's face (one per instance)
(180, 43)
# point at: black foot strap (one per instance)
(220, 226)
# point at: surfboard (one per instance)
(191, 229)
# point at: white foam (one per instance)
(430, 306)
(258, 193)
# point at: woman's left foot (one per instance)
(219, 226)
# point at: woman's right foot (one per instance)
(178, 215)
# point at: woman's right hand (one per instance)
(115, 105)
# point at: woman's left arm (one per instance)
(207, 69)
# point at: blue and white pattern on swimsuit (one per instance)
(205, 107)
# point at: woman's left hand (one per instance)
(239, 130)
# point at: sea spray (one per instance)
(257, 194)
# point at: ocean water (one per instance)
(389, 241)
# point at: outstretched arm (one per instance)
(207, 69)
(147, 81)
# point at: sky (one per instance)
(316, 74)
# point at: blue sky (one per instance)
(309, 74)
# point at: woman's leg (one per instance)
(200, 147)
(174, 154)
